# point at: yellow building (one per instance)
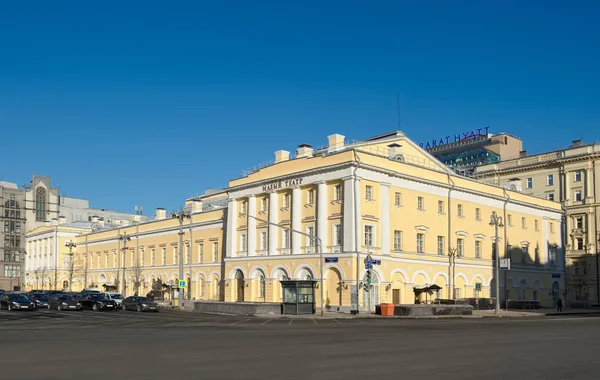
(383, 196)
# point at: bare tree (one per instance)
(135, 274)
(72, 267)
(40, 274)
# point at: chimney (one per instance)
(304, 150)
(95, 219)
(62, 220)
(576, 143)
(336, 142)
(282, 155)
(196, 206)
(137, 218)
(161, 213)
(523, 153)
(54, 222)
(101, 221)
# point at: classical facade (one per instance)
(570, 176)
(12, 246)
(383, 196)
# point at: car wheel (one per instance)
(48, 306)
(10, 307)
(123, 307)
(95, 307)
(139, 308)
(59, 307)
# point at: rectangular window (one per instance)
(537, 225)
(440, 207)
(509, 251)
(215, 252)
(337, 193)
(12, 270)
(337, 235)
(175, 258)
(310, 242)
(263, 204)
(244, 207)
(578, 176)
(551, 228)
(142, 258)
(420, 243)
(200, 253)
(369, 236)
(311, 197)
(152, 257)
(577, 195)
(397, 240)
(552, 256)
(242, 242)
(106, 261)
(579, 244)
(509, 219)
(398, 199)
(132, 259)
(524, 253)
(163, 256)
(550, 180)
(579, 222)
(286, 201)
(114, 260)
(420, 203)
(460, 211)
(529, 183)
(286, 239)
(523, 222)
(460, 248)
(478, 249)
(263, 240)
(440, 245)
(369, 192)
(478, 214)
(550, 196)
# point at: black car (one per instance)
(16, 301)
(139, 304)
(97, 302)
(63, 302)
(41, 300)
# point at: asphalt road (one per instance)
(172, 345)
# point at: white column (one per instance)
(589, 189)
(385, 219)
(348, 220)
(296, 220)
(322, 214)
(273, 210)
(231, 229)
(545, 240)
(251, 233)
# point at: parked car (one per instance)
(117, 297)
(97, 302)
(41, 300)
(63, 302)
(139, 304)
(16, 301)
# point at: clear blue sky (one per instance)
(147, 103)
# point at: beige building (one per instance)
(570, 176)
(384, 196)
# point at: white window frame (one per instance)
(523, 223)
(578, 194)
(310, 230)
(243, 243)
(371, 236)
(152, 257)
(441, 242)
(286, 201)
(550, 196)
(477, 213)
(478, 245)
(163, 256)
(201, 253)
(420, 242)
(264, 240)
(460, 211)
(421, 203)
(337, 192)
(578, 175)
(369, 192)
(397, 199)
(311, 196)
(337, 236)
(550, 180)
(285, 238)
(529, 183)
(537, 224)
(398, 240)
(460, 247)
(440, 207)
(215, 247)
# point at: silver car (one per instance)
(117, 297)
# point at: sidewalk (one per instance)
(535, 313)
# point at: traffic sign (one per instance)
(182, 283)
(368, 265)
(478, 286)
(505, 264)
(376, 262)
(585, 289)
(331, 259)
(368, 259)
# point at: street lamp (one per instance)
(124, 238)
(496, 221)
(313, 238)
(70, 244)
(181, 215)
(451, 267)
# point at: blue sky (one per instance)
(148, 103)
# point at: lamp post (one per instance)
(314, 239)
(71, 244)
(181, 215)
(451, 266)
(496, 221)
(124, 238)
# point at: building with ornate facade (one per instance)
(384, 196)
(12, 215)
(570, 176)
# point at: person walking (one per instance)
(559, 305)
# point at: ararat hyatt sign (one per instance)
(457, 137)
(282, 184)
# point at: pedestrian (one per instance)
(559, 305)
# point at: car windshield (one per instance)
(18, 297)
(65, 298)
(143, 299)
(116, 296)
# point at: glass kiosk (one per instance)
(298, 297)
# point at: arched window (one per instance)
(40, 204)
(261, 288)
(65, 285)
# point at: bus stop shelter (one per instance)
(298, 297)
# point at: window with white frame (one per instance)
(261, 286)
(200, 253)
(99, 260)
(420, 203)
(523, 222)
(420, 242)
(337, 234)
(337, 192)
(175, 259)
(286, 201)
(457, 294)
(550, 180)
(578, 176)
(477, 213)
(477, 249)
(310, 230)
(142, 259)
(509, 219)
(164, 256)
(397, 240)
(579, 222)
(186, 256)
(263, 240)
(440, 245)
(114, 260)
(552, 256)
(440, 207)
(242, 242)
(244, 207)
(311, 197)
(368, 241)
(550, 196)
(460, 211)
(578, 196)
(152, 257)
(460, 247)
(215, 252)
(285, 237)
(529, 183)
(524, 253)
(369, 192)
(537, 225)
(398, 199)
(263, 204)
(551, 228)
(579, 244)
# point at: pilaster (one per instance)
(251, 232)
(296, 220)
(273, 209)
(322, 214)
(385, 218)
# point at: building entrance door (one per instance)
(239, 280)
(396, 296)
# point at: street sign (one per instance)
(368, 259)
(331, 259)
(478, 286)
(182, 283)
(505, 264)
(376, 262)
(368, 265)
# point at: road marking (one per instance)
(237, 323)
(291, 320)
(337, 321)
(267, 321)
(314, 320)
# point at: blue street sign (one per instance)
(376, 262)
(181, 283)
(368, 259)
(368, 265)
(331, 259)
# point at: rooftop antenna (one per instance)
(399, 120)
